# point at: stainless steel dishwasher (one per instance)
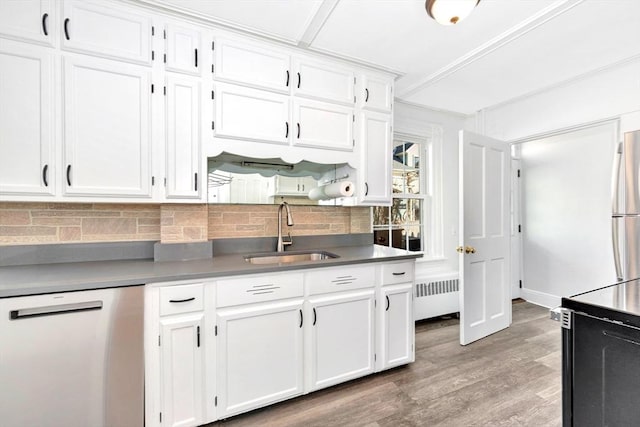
(73, 359)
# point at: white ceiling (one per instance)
(504, 50)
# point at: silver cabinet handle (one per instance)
(51, 310)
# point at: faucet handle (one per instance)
(287, 240)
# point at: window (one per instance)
(412, 221)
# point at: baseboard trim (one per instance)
(540, 298)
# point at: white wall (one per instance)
(566, 188)
(416, 120)
(612, 93)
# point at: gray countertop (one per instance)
(36, 279)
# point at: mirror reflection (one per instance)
(241, 180)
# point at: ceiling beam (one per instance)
(317, 22)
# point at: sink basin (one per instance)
(288, 257)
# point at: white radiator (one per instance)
(435, 296)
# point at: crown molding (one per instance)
(492, 45)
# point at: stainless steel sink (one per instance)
(288, 257)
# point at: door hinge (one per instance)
(215, 330)
(213, 45)
(165, 91)
(212, 69)
(153, 181)
(164, 58)
(519, 228)
(213, 95)
(152, 88)
(213, 125)
(215, 401)
(518, 173)
(153, 55)
(520, 283)
(158, 340)
(164, 34)
(160, 416)
(153, 30)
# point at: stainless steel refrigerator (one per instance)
(626, 207)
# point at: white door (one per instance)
(396, 306)
(260, 355)
(106, 30)
(516, 230)
(182, 363)
(26, 121)
(341, 337)
(183, 137)
(323, 125)
(252, 64)
(245, 113)
(375, 145)
(107, 121)
(32, 20)
(485, 291)
(183, 49)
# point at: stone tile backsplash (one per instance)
(33, 223)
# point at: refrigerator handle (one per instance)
(615, 233)
(615, 180)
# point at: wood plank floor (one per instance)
(511, 378)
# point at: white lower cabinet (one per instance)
(341, 336)
(260, 355)
(397, 334)
(182, 369)
(275, 336)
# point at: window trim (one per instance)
(431, 187)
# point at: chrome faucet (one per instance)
(284, 242)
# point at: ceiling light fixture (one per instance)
(450, 12)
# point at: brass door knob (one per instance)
(469, 249)
(459, 249)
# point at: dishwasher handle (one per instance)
(51, 310)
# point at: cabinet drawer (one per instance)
(340, 279)
(181, 299)
(247, 290)
(401, 272)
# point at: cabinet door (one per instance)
(260, 350)
(252, 65)
(182, 364)
(376, 93)
(375, 143)
(183, 49)
(26, 121)
(33, 20)
(112, 32)
(183, 137)
(323, 125)
(245, 113)
(341, 333)
(323, 80)
(106, 128)
(397, 325)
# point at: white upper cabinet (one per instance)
(183, 137)
(183, 47)
(376, 93)
(252, 65)
(117, 33)
(324, 80)
(246, 113)
(322, 125)
(374, 176)
(33, 20)
(107, 124)
(26, 120)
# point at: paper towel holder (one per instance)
(335, 180)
